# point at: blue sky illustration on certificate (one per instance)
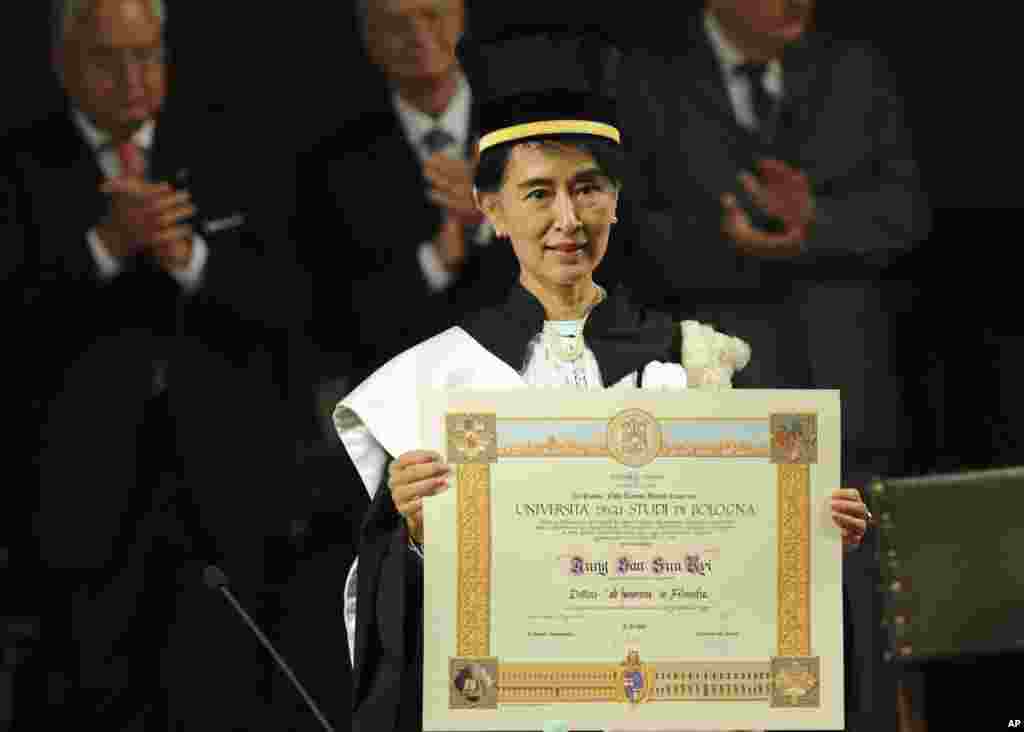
(754, 431)
(752, 434)
(519, 433)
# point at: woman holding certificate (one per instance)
(548, 181)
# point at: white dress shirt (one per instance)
(110, 266)
(729, 58)
(455, 120)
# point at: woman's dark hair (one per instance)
(490, 171)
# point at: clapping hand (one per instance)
(451, 182)
(782, 192)
(148, 218)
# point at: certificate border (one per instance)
(474, 573)
(794, 568)
(533, 683)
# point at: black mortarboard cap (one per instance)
(535, 80)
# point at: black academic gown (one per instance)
(388, 691)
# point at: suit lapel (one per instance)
(392, 151)
(391, 155)
(705, 102)
(802, 79)
(706, 113)
(703, 74)
(69, 171)
(165, 162)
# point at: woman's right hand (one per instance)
(411, 477)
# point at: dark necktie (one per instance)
(437, 140)
(764, 104)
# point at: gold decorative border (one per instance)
(555, 682)
(530, 683)
(473, 622)
(794, 570)
(561, 683)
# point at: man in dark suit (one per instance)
(773, 183)
(420, 255)
(148, 353)
(385, 223)
(387, 271)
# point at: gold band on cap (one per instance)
(549, 127)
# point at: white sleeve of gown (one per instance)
(380, 417)
(368, 456)
(351, 587)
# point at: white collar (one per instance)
(731, 57)
(98, 139)
(574, 327)
(454, 120)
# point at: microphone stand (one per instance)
(216, 579)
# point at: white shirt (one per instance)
(455, 120)
(544, 368)
(109, 266)
(729, 58)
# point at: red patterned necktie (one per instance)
(133, 164)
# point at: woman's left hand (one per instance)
(850, 514)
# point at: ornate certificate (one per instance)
(634, 560)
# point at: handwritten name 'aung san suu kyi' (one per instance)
(624, 566)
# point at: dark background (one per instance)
(291, 73)
(301, 69)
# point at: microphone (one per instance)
(215, 579)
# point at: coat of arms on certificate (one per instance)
(795, 682)
(794, 438)
(635, 678)
(634, 438)
(472, 438)
(474, 683)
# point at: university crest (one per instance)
(634, 438)
(636, 678)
